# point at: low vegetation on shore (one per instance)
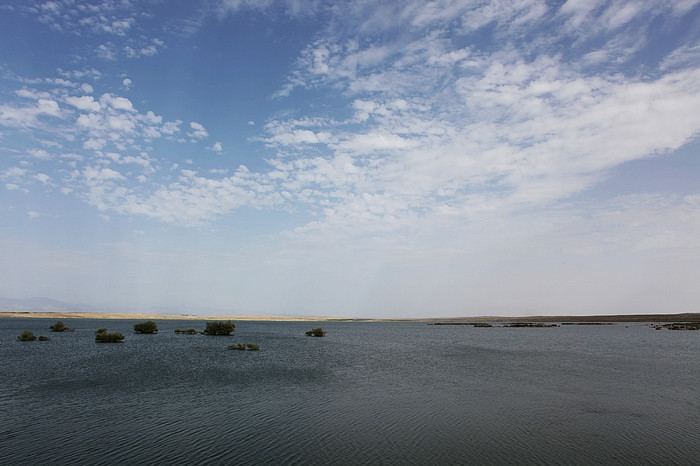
(504, 325)
(679, 326)
(529, 325)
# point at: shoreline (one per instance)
(681, 317)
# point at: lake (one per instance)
(366, 393)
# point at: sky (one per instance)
(359, 159)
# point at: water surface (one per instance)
(367, 393)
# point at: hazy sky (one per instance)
(371, 159)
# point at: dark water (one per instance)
(367, 393)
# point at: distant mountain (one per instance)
(41, 304)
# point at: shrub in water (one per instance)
(219, 328)
(26, 336)
(60, 327)
(146, 327)
(317, 332)
(102, 336)
(244, 346)
(189, 331)
(43, 338)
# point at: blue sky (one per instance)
(366, 159)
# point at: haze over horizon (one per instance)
(359, 159)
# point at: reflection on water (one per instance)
(367, 393)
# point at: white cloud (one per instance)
(85, 103)
(106, 51)
(217, 147)
(14, 172)
(32, 94)
(198, 131)
(684, 56)
(94, 144)
(95, 175)
(42, 178)
(39, 154)
(171, 127)
(117, 103)
(126, 82)
(29, 116)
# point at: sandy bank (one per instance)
(142, 316)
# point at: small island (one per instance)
(316, 332)
(219, 328)
(60, 327)
(244, 346)
(102, 336)
(26, 335)
(146, 327)
(187, 331)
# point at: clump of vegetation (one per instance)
(60, 327)
(102, 336)
(244, 346)
(43, 338)
(188, 331)
(219, 328)
(316, 332)
(26, 335)
(146, 327)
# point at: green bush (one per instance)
(189, 331)
(102, 336)
(219, 328)
(317, 332)
(26, 336)
(253, 346)
(60, 327)
(237, 346)
(43, 338)
(146, 327)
